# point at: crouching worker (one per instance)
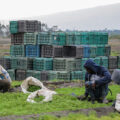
(96, 82)
(5, 80)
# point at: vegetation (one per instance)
(114, 37)
(15, 103)
(91, 116)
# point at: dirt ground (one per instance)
(99, 111)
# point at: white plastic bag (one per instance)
(42, 92)
(117, 104)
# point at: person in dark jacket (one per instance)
(97, 89)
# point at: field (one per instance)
(62, 106)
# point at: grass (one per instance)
(114, 37)
(91, 116)
(15, 103)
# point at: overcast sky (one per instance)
(16, 9)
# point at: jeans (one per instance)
(98, 93)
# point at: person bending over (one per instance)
(96, 82)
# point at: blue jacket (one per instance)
(98, 70)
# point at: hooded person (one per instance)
(96, 82)
(5, 80)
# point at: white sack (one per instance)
(42, 92)
(117, 104)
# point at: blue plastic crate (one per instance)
(32, 50)
(86, 51)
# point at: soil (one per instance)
(103, 111)
(53, 85)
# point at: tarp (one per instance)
(48, 94)
(116, 76)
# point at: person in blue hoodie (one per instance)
(97, 88)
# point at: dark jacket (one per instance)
(100, 71)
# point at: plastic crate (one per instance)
(113, 62)
(78, 38)
(44, 75)
(104, 61)
(86, 51)
(83, 74)
(6, 62)
(97, 60)
(76, 75)
(44, 38)
(58, 51)
(63, 75)
(28, 26)
(43, 64)
(69, 51)
(29, 73)
(17, 39)
(78, 64)
(13, 27)
(70, 38)
(52, 75)
(22, 63)
(118, 61)
(17, 50)
(59, 64)
(46, 51)
(93, 49)
(83, 61)
(30, 38)
(58, 38)
(11, 73)
(107, 50)
(32, 50)
(100, 50)
(84, 38)
(20, 74)
(79, 52)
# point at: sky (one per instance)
(17, 9)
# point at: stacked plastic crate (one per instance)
(55, 55)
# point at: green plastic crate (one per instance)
(100, 51)
(70, 38)
(44, 38)
(83, 62)
(78, 38)
(17, 50)
(104, 61)
(30, 73)
(52, 75)
(43, 64)
(93, 49)
(119, 62)
(11, 73)
(85, 38)
(22, 63)
(63, 75)
(59, 64)
(13, 27)
(30, 38)
(59, 38)
(97, 60)
(76, 75)
(83, 74)
(37, 74)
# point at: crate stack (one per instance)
(55, 55)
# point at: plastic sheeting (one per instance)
(116, 76)
(117, 104)
(48, 94)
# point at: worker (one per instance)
(5, 80)
(96, 82)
